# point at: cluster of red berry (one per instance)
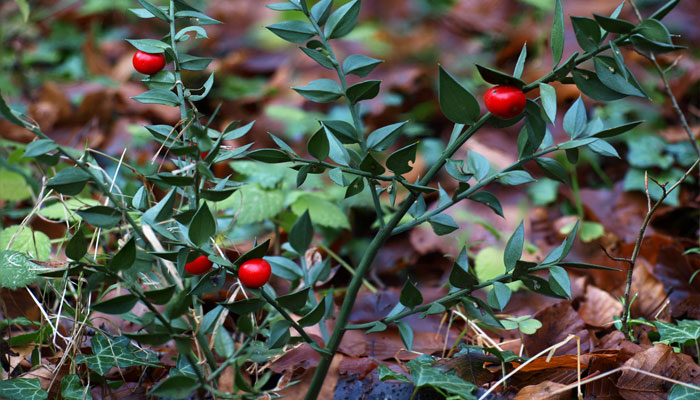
(253, 273)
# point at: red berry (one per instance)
(505, 102)
(254, 273)
(204, 154)
(201, 265)
(147, 63)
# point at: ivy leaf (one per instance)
(16, 270)
(175, 387)
(117, 352)
(33, 243)
(72, 388)
(22, 389)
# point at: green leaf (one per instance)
(488, 199)
(587, 33)
(77, 246)
(69, 181)
(23, 8)
(382, 138)
(118, 352)
(320, 91)
(175, 387)
(202, 227)
(246, 306)
(337, 152)
(294, 301)
(410, 295)
(39, 147)
(321, 11)
(553, 169)
(269, 156)
(548, 97)
(286, 6)
(363, 91)
(101, 216)
(425, 375)
(557, 38)
(321, 58)
(315, 315)
(618, 130)
(559, 281)
(208, 84)
(125, 257)
(284, 268)
(515, 178)
(355, 187)
(322, 211)
(456, 102)
(514, 247)
(33, 243)
(591, 231)
(386, 374)
(158, 96)
(22, 389)
(157, 12)
(443, 224)
(498, 78)
(223, 343)
(575, 119)
(406, 333)
(644, 44)
(679, 392)
(255, 204)
(603, 148)
(183, 34)
(318, 145)
(13, 186)
(200, 18)
(591, 86)
(194, 63)
(686, 331)
(8, 114)
(398, 160)
(371, 165)
(342, 130)
(520, 64)
(498, 296)
(615, 79)
(302, 233)
(293, 31)
(478, 165)
(360, 65)
(664, 10)
(72, 388)
(116, 305)
(151, 46)
(460, 275)
(614, 25)
(343, 20)
(377, 327)
(16, 270)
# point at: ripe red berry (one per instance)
(201, 265)
(147, 63)
(204, 154)
(254, 273)
(505, 102)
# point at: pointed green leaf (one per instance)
(456, 102)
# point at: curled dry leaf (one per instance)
(661, 360)
(544, 391)
(599, 308)
(559, 321)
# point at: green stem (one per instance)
(286, 316)
(425, 217)
(176, 63)
(368, 258)
(350, 170)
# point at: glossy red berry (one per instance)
(201, 265)
(505, 102)
(254, 273)
(204, 154)
(147, 63)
